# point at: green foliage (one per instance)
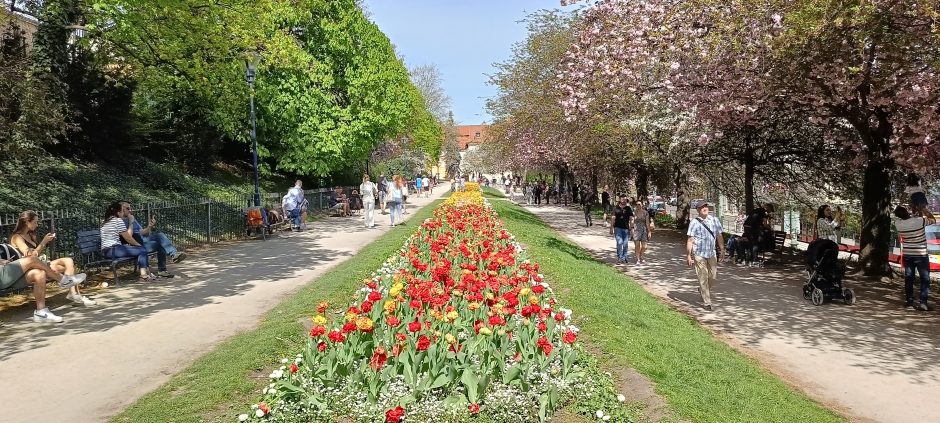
(664, 221)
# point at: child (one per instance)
(918, 198)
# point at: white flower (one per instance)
(277, 374)
(259, 413)
(283, 361)
(621, 398)
(599, 414)
(254, 406)
(606, 418)
(242, 417)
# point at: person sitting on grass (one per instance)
(338, 201)
(16, 273)
(24, 240)
(115, 230)
(155, 242)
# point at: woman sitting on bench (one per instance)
(115, 230)
(24, 240)
(18, 273)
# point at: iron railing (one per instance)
(189, 223)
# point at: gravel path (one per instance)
(873, 361)
(101, 359)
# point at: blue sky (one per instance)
(462, 38)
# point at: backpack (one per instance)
(9, 253)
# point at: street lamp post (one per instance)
(251, 66)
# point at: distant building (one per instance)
(27, 24)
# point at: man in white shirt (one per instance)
(292, 203)
(426, 184)
(705, 247)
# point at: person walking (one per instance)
(825, 224)
(395, 199)
(369, 193)
(911, 229)
(589, 200)
(642, 231)
(605, 204)
(705, 247)
(383, 192)
(623, 220)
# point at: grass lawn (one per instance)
(223, 383)
(703, 379)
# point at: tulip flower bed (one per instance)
(459, 326)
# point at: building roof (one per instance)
(470, 135)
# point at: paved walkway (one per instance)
(873, 361)
(104, 358)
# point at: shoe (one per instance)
(69, 281)
(909, 305)
(708, 307)
(81, 300)
(45, 316)
(149, 278)
(923, 307)
(165, 274)
(179, 257)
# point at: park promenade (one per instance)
(874, 361)
(104, 358)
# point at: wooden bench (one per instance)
(89, 246)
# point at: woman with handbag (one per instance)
(24, 240)
(396, 194)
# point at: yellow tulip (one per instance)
(319, 319)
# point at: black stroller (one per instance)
(825, 274)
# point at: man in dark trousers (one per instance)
(589, 199)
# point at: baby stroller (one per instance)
(825, 274)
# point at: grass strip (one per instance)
(221, 384)
(703, 379)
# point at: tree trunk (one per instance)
(594, 181)
(642, 182)
(876, 223)
(683, 198)
(748, 181)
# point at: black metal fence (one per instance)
(189, 223)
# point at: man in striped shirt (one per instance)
(914, 250)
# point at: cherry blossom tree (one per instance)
(864, 70)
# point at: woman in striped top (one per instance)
(115, 230)
(914, 249)
(825, 226)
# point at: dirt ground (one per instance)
(873, 361)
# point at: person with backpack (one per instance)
(705, 247)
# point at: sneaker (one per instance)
(45, 316)
(81, 300)
(179, 257)
(708, 307)
(909, 305)
(69, 281)
(923, 307)
(165, 274)
(149, 278)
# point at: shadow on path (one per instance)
(874, 359)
